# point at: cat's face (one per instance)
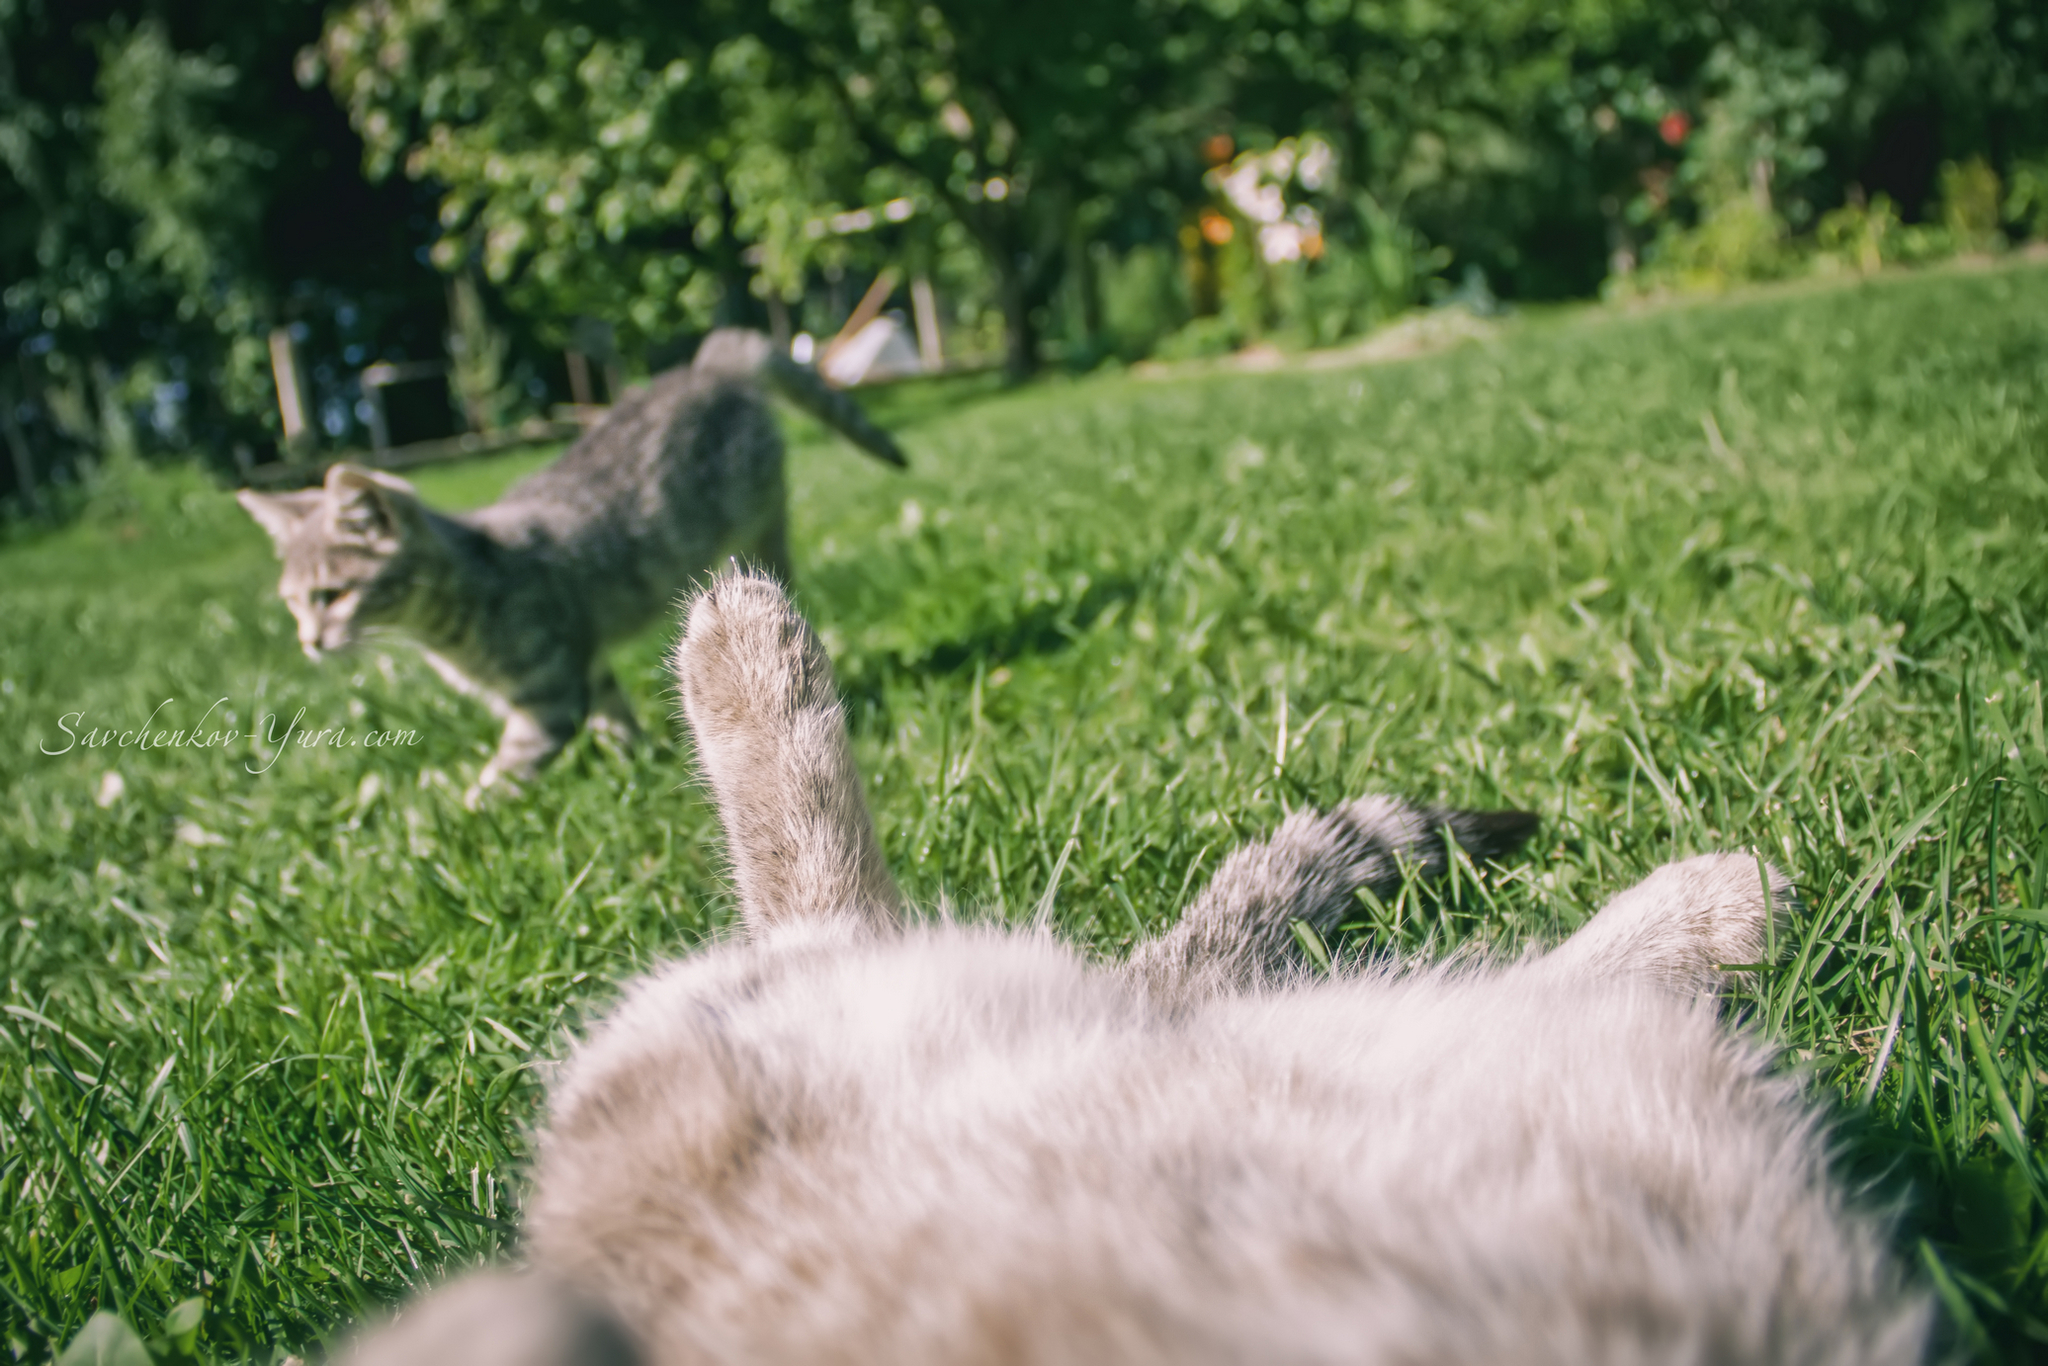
(344, 552)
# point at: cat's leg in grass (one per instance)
(539, 719)
(534, 733)
(611, 711)
(770, 549)
(1684, 924)
(1239, 929)
(771, 739)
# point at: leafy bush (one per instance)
(1144, 297)
(1738, 239)
(1200, 339)
(2026, 202)
(1971, 210)
(1861, 236)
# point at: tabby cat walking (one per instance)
(515, 603)
(855, 1134)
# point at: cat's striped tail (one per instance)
(1240, 930)
(741, 351)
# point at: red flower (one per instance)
(1674, 126)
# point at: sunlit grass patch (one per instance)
(1762, 575)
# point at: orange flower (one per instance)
(1216, 228)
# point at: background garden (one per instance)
(1753, 553)
(485, 185)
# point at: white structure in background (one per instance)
(880, 350)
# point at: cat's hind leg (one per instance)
(1684, 925)
(611, 711)
(771, 738)
(770, 549)
(1240, 928)
(533, 735)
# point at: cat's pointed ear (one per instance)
(373, 506)
(280, 513)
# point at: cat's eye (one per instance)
(323, 597)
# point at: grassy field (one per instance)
(1770, 572)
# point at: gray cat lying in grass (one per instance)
(858, 1135)
(516, 602)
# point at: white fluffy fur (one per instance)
(848, 1137)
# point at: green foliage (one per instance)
(1764, 107)
(166, 158)
(147, 202)
(575, 155)
(1201, 339)
(1766, 573)
(2026, 203)
(652, 167)
(165, 191)
(1858, 236)
(1144, 297)
(1306, 258)
(1747, 169)
(1738, 239)
(476, 351)
(168, 194)
(1972, 208)
(1360, 284)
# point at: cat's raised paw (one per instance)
(747, 659)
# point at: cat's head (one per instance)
(345, 548)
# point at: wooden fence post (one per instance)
(291, 390)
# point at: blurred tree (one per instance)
(1028, 125)
(1550, 143)
(1929, 81)
(1512, 133)
(576, 147)
(76, 299)
(171, 187)
(168, 193)
(187, 181)
(645, 162)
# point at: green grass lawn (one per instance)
(1770, 572)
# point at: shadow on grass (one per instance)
(1959, 1230)
(1045, 628)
